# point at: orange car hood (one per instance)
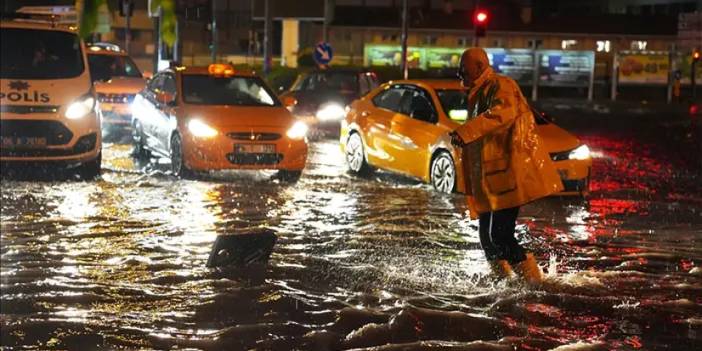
(557, 139)
(228, 117)
(43, 92)
(121, 85)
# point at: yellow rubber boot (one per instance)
(501, 268)
(529, 270)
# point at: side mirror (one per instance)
(289, 101)
(165, 98)
(147, 75)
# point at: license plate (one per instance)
(28, 142)
(254, 148)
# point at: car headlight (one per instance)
(331, 112)
(581, 153)
(298, 130)
(81, 107)
(200, 129)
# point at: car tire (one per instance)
(288, 176)
(443, 173)
(138, 138)
(91, 169)
(178, 166)
(356, 155)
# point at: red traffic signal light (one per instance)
(481, 17)
(480, 21)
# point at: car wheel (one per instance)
(443, 173)
(289, 176)
(355, 155)
(139, 140)
(91, 169)
(178, 166)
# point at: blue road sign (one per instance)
(323, 53)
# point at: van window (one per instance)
(39, 54)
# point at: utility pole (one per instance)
(405, 29)
(127, 7)
(214, 31)
(267, 38)
(325, 24)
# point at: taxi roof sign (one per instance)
(220, 69)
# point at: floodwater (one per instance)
(380, 263)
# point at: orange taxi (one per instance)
(402, 127)
(217, 118)
(117, 80)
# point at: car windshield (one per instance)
(39, 54)
(240, 91)
(455, 105)
(104, 67)
(335, 81)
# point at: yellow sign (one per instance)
(636, 68)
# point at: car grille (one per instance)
(561, 156)
(116, 98)
(83, 145)
(54, 131)
(254, 136)
(26, 109)
(254, 159)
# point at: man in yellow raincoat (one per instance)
(505, 163)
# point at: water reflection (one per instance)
(359, 262)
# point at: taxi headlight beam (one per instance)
(81, 107)
(581, 153)
(331, 112)
(298, 130)
(200, 129)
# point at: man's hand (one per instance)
(456, 139)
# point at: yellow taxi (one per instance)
(217, 118)
(117, 80)
(402, 127)
(48, 110)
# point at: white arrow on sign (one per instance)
(324, 53)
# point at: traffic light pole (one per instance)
(693, 80)
(128, 31)
(405, 29)
(267, 38)
(214, 31)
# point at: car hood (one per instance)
(56, 92)
(232, 118)
(557, 139)
(121, 85)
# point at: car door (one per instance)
(414, 130)
(164, 123)
(146, 110)
(384, 106)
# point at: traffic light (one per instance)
(480, 21)
(696, 56)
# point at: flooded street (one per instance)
(359, 262)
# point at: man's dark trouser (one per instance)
(497, 236)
